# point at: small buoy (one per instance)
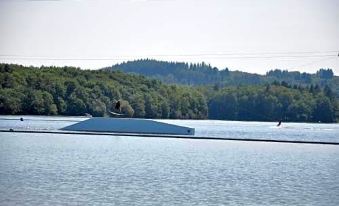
(11, 130)
(21, 119)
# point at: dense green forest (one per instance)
(72, 91)
(272, 102)
(203, 74)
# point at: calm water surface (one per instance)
(55, 169)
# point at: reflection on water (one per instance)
(54, 169)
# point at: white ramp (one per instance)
(145, 126)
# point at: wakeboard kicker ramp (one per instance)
(122, 125)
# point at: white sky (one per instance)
(244, 35)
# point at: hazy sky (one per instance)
(247, 35)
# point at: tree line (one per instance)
(204, 74)
(273, 102)
(72, 91)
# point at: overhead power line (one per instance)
(230, 55)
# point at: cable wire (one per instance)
(230, 55)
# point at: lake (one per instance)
(63, 169)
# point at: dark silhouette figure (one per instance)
(117, 106)
(279, 123)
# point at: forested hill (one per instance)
(203, 74)
(72, 91)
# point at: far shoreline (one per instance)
(17, 117)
